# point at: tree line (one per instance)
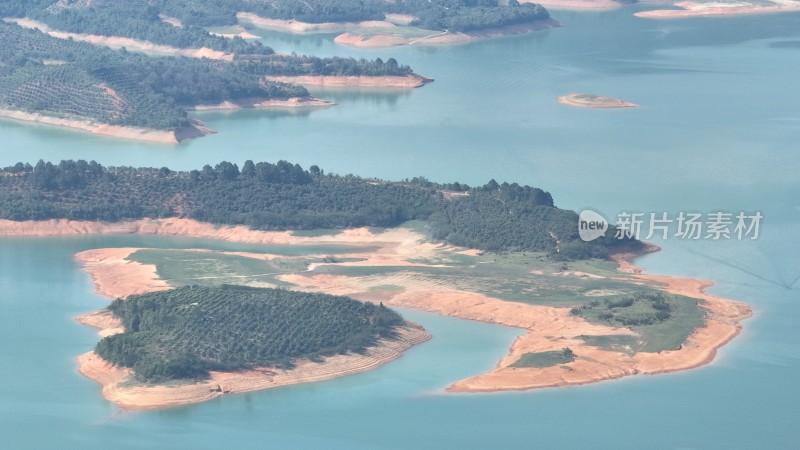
(186, 332)
(280, 196)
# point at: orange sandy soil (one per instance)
(578, 101)
(117, 42)
(547, 328)
(115, 276)
(389, 37)
(407, 81)
(693, 9)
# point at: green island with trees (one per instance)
(184, 333)
(284, 196)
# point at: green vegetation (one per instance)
(467, 15)
(663, 321)
(641, 308)
(545, 359)
(507, 276)
(78, 80)
(135, 20)
(184, 333)
(285, 196)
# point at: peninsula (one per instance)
(586, 312)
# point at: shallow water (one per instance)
(718, 129)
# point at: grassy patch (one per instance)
(545, 359)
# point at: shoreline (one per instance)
(117, 42)
(694, 9)
(118, 131)
(117, 387)
(298, 27)
(547, 328)
(195, 130)
(391, 31)
(722, 324)
(410, 81)
(260, 103)
(389, 38)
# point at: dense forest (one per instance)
(64, 78)
(185, 332)
(494, 217)
(144, 20)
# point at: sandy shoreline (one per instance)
(406, 82)
(117, 387)
(291, 103)
(295, 26)
(547, 328)
(694, 9)
(117, 131)
(392, 31)
(722, 324)
(390, 38)
(116, 42)
(195, 130)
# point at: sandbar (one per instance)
(593, 101)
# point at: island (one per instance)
(593, 101)
(190, 344)
(499, 253)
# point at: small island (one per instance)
(593, 101)
(193, 343)
(499, 253)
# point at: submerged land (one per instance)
(587, 313)
(593, 101)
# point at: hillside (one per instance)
(283, 196)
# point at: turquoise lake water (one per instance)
(718, 130)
